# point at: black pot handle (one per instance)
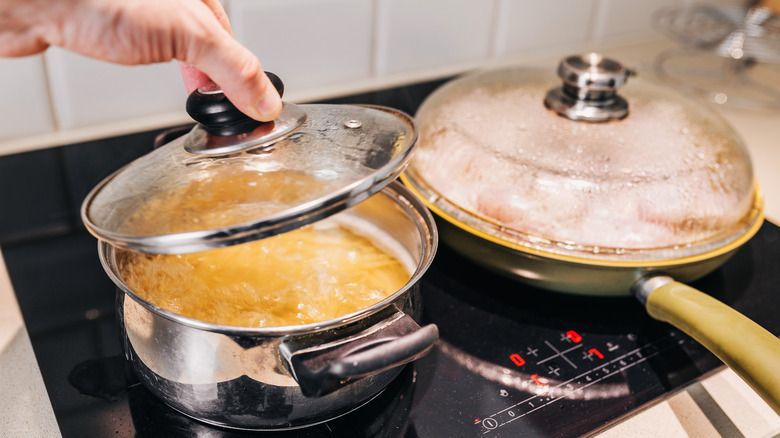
(325, 368)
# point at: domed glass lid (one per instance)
(568, 165)
(219, 186)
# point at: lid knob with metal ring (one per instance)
(222, 128)
(217, 115)
(589, 90)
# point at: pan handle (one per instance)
(746, 347)
(395, 341)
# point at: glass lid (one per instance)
(571, 166)
(228, 181)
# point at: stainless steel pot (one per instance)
(284, 377)
(314, 162)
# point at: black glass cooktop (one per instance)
(512, 360)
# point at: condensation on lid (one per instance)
(671, 173)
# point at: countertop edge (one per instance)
(30, 413)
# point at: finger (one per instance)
(219, 13)
(239, 74)
(221, 59)
(193, 78)
(19, 35)
(12, 46)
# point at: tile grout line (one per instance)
(55, 120)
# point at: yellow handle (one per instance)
(747, 348)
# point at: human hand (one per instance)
(195, 32)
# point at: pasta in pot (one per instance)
(307, 275)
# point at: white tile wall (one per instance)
(627, 18)
(24, 108)
(90, 92)
(420, 34)
(308, 43)
(313, 45)
(528, 26)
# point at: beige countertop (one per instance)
(26, 411)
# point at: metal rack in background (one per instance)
(729, 54)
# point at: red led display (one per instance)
(539, 381)
(519, 361)
(574, 336)
(596, 352)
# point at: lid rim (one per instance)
(555, 250)
(194, 241)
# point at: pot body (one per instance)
(248, 378)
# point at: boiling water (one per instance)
(311, 274)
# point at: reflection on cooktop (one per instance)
(109, 378)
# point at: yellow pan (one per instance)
(747, 348)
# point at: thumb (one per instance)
(243, 81)
(216, 56)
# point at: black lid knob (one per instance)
(218, 115)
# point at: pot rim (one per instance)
(400, 194)
(696, 252)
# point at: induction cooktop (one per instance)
(511, 360)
